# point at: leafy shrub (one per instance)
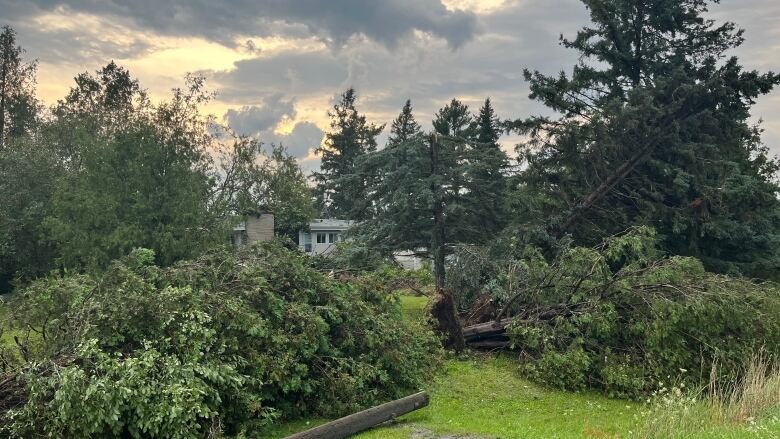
(221, 344)
(635, 316)
(567, 370)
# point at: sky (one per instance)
(277, 66)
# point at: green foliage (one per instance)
(470, 273)
(565, 370)
(620, 317)
(254, 179)
(341, 191)
(18, 106)
(654, 131)
(353, 257)
(466, 182)
(401, 190)
(28, 175)
(224, 343)
(140, 174)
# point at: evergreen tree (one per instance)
(455, 120)
(340, 190)
(654, 131)
(485, 195)
(401, 189)
(404, 127)
(18, 106)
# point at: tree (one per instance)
(485, 198)
(653, 131)
(400, 189)
(18, 106)
(340, 190)
(253, 178)
(29, 171)
(139, 175)
(413, 180)
(404, 128)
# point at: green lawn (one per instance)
(484, 396)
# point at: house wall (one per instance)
(260, 228)
(307, 241)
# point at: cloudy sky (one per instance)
(277, 65)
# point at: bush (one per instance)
(221, 344)
(636, 317)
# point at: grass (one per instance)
(484, 396)
(749, 407)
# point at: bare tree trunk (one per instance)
(443, 309)
(360, 421)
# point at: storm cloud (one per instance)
(335, 21)
(303, 53)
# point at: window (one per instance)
(321, 238)
(332, 237)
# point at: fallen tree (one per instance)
(360, 421)
(622, 317)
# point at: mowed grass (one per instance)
(484, 396)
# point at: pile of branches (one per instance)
(622, 317)
(224, 344)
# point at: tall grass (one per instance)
(740, 403)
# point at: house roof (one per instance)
(330, 224)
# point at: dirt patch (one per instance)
(424, 433)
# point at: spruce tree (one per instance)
(401, 188)
(341, 191)
(411, 187)
(654, 131)
(485, 197)
(404, 127)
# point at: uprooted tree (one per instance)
(431, 191)
(621, 316)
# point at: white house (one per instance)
(322, 236)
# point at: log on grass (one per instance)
(357, 422)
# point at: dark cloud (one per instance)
(260, 121)
(92, 38)
(304, 137)
(385, 64)
(293, 73)
(254, 119)
(335, 21)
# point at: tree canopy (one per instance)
(654, 131)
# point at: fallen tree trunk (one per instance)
(484, 330)
(357, 422)
(490, 344)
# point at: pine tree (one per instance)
(18, 106)
(455, 120)
(655, 131)
(341, 192)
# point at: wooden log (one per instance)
(357, 422)
(483, 330)
(490, 344)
